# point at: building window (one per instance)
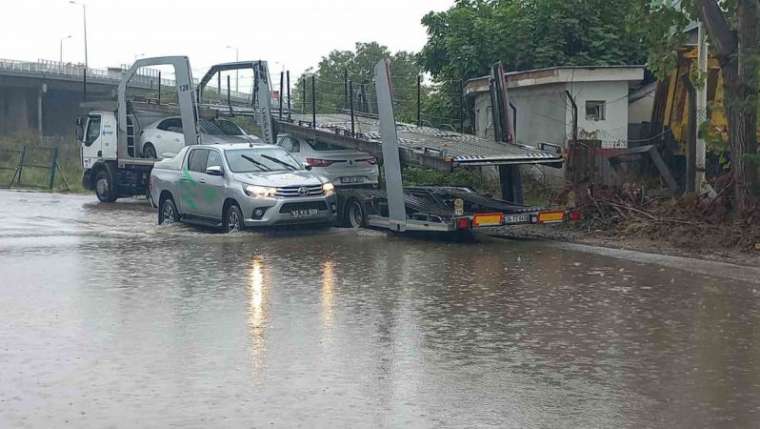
(595, 110)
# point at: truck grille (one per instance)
(289, 207)
(300, 191)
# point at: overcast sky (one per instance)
(290, 33)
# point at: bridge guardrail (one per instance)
(147, 78)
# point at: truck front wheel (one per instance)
(104, 186)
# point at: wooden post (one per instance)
(691, 136)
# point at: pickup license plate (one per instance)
(304, 213)
(516, 218)
(351, 179)
(551, 217)
(487, 219)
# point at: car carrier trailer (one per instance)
(395, 207)
(432, 208)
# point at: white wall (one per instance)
(613, 130)
(545, 115)
(540, 114)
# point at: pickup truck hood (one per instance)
(279, 179)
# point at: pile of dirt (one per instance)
(691, 222)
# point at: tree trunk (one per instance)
(739, 54)
(742, 109)
(742, 129)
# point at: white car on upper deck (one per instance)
(164, 138)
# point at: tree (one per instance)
(465, 40)
(359, 66)
(732, 28)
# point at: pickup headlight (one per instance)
(328, 188)
(259, 191)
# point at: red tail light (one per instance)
(576, 215)
(463, 224)
(315, 162)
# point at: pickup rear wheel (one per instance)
(167, 211)
(233, 218)
(104, 186)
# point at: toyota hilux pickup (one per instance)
(234, 186)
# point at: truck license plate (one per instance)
(304, 213)
(516, 218)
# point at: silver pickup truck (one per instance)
(234, 186)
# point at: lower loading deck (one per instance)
(440, 209)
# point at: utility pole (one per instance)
(86, 60)
(60, 51)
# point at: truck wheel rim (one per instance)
(168, 213)
(233, 221)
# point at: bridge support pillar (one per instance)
(40, 119)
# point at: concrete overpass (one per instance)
(43, 97)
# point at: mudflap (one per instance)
(88, 181)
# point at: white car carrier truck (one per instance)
(111, 150)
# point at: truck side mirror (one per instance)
(79, 128)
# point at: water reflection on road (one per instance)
(111, 320)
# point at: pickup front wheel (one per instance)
(167, 212)
(233, 219)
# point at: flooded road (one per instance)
(111, 321)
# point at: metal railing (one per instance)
(146, 77)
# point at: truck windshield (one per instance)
(229, 128)
(210, 128)
(264, 159)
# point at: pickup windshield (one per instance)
(255, 160)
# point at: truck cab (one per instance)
(99, 138)
(112, 159)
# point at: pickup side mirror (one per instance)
(215, 170)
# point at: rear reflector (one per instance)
(487, 219)
(551, 217)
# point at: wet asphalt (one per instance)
(109, 320)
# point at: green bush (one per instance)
(40, 153)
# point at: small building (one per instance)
(543, 109)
